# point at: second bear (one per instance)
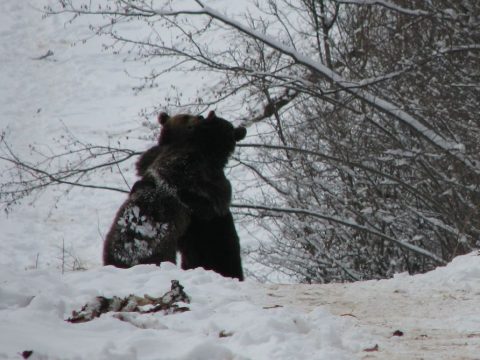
(210, 240)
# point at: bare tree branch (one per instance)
(341, 221)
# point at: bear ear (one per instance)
(211, 115)
(163, 118)
(240, 133)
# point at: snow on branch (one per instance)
(338, 160)
(404, 244)
(448, 14)
(354, 88)
(386, 4)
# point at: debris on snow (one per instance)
(132, 303)
(26, 354)
(223, 334)
(372, 349)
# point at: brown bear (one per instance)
(211, 240)
(190, 157)
(213, 244)
(147, 226)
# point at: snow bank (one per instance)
(229, 319)
(224, 322)
(462, 273)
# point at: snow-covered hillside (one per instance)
(76, 90)
(86, 91)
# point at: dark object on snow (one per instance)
(132, 303)
(190, 156)
(46, 55)
(398, 333)
(26, 354)
(372, 349)
(224, 334)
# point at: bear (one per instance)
(147, 226)
(199, 157)
(213, 244)
(211, 240)
(184, 172)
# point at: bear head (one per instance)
(211, 137)
(215, 135)
(178, 129)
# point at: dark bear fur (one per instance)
(212, 244)
(149, 223)
(146, 227)
(211, 240)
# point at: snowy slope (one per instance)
(79, 90)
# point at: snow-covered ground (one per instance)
(436, 315)
(34, 306)
(87, 91)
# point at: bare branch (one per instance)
(403, 244)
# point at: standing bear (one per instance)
(184, 173)
(148, 224)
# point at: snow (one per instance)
(86, 91)
(224, 322)
(79, 90)
(388, 5)
(437, 312)
(132, 220)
